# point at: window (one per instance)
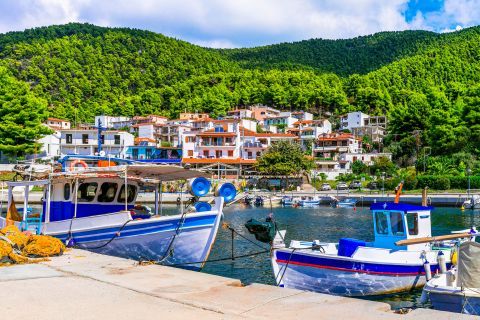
(66, 191)
(412, 223)
(148, 153)
(259, 154)
(218, 153)
(381, 223)
(249, 155)
(116, 139)
(131, 192)
(135, 153)
(396, 223)
(230, 153)
(69, 138)
(85, 138)
(108, 190)
(205, 153)
(190, 139)
(87, 191)
(190, 153)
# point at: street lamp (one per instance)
(383, 183)
(468, 176)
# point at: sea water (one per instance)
(318, 223)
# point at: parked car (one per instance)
(342, 186)
(355, 185)
(325, 187)
(372, 185)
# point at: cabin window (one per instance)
(66, 191)
(85, 138)
(69, 139)
(412, 223)
(131, 191)
(87, 191)
(396, 223)
(116, 139)
(381, 223)
(108, 190)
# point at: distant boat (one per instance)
(259, 201)
(346, 203)
(288, 200)
(458, 290)
(309, 201)
(473, 202)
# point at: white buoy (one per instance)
(451, 278)
(428, 271)
(442, 263)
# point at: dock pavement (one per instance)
(85, 285)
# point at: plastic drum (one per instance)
(202, 206)
(199, 187)
(227, 191)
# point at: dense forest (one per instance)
(427, 83)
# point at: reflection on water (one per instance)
(322, 223)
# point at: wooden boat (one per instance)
(95, 209)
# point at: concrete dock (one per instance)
(84, 285)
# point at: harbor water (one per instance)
(323, 223)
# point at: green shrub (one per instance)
(433, 182)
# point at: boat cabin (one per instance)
(398, 221)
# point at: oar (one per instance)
(437, 238)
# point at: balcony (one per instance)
(219, 144)
(254, 145)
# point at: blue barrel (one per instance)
(202, 206)
(226, 190)
(199, 187)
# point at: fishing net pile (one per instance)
(20, 247)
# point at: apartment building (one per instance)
(113, 122)
(57, 124)
(85, 142)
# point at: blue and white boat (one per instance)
(346, 203)
(309, 201)
(354, 267)
(93, 210)
(288, 201)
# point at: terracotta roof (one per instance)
(137, 140)
(276, 135)
(56, 119)
(218, 160)
(304, 122)
(335, 137)
(147, 124)
(211, 132)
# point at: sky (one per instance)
(246, 23)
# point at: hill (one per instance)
(343, 57)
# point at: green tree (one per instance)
(22, 115)
(358, 167)
(284, 158)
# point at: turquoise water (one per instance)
(322, 223)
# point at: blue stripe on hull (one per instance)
(352, 265)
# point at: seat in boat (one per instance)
(347, 246)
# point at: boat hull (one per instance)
(345, 276)
(308, 203)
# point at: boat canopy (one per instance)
(393, 222)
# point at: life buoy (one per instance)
(80, 162)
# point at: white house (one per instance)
(85, 142)
(352, 120)
(112, 122)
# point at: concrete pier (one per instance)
(84, 285)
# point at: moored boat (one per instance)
(309, 201)
(95, 209)
(457, 290)
(346, 203)
(393, 262)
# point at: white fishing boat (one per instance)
(95, 209)
(309, 201)
(458, 290)
(472, 203)
(354, 267)
(346, 203)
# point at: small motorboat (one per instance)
(287, 201)
(457, 290)
(472, 203)
(345, 203)
(392, 263)
(248, 200)
(309, 201)
(259, 201)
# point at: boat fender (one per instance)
(442, 263)
(454, 257)
(450, 278)
(78, 161)
(428, 271)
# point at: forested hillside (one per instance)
(343, 56)
(428, 84)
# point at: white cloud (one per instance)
(224, 23)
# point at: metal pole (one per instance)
(233, 255)
(156, 199)
(468, 190)
(126, 191)
(161, 197)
